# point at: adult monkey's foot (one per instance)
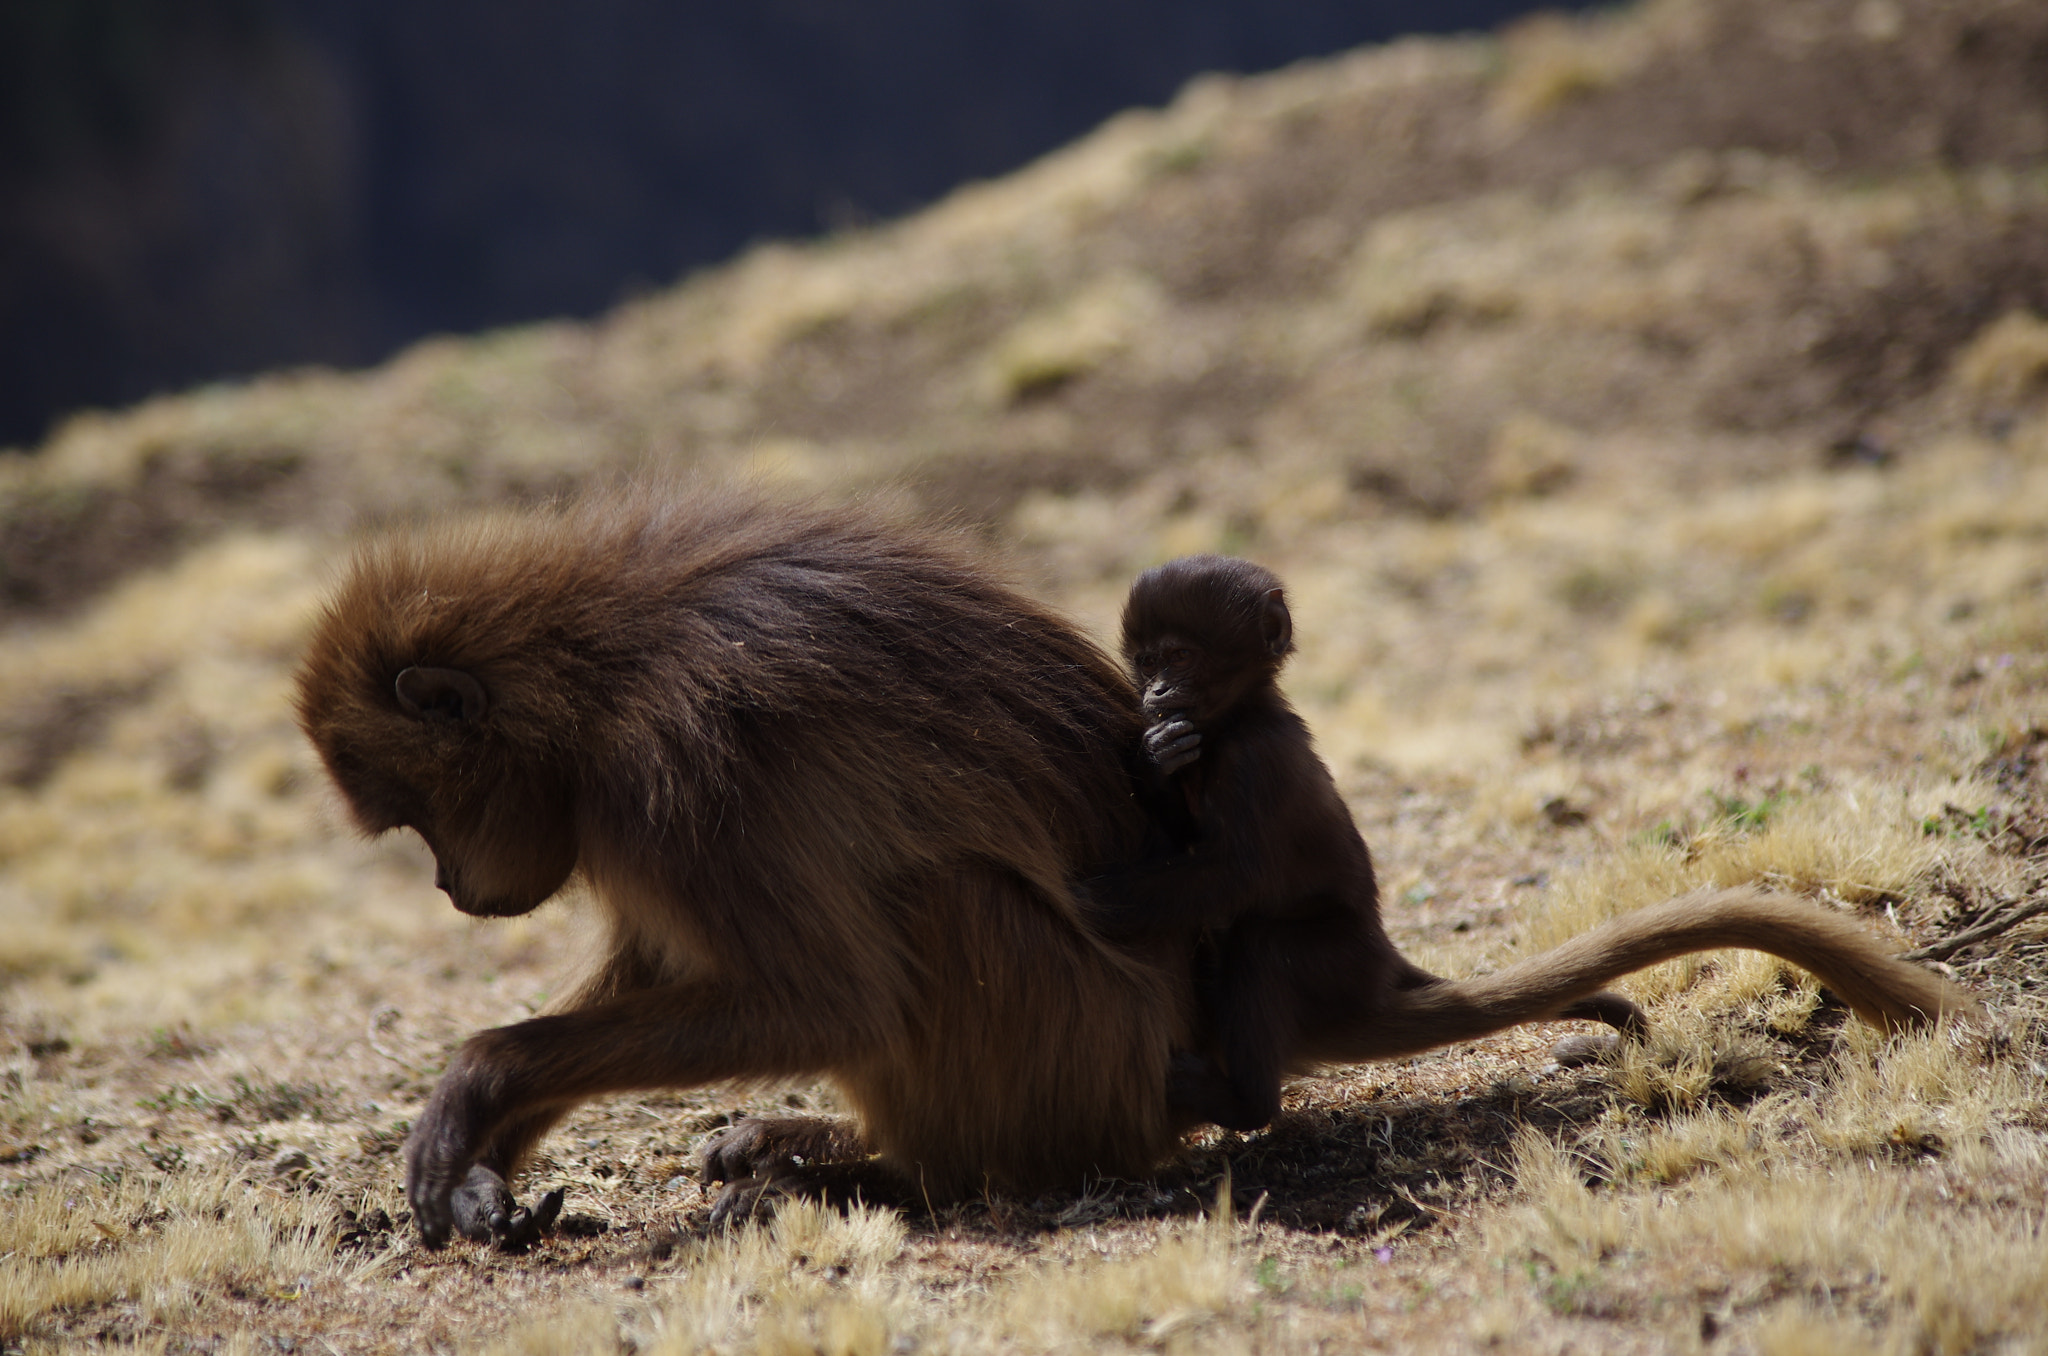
(762, 1160)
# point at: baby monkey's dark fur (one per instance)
(1265, 866)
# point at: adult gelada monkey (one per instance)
(828, 782)
(829, 785)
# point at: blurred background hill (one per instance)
(1693, 243)
(192, 189)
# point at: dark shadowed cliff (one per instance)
(198, 188)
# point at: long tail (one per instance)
(1884, 990)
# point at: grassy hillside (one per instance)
(1650, 418)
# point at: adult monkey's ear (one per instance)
(1276, 624)
(440, 694)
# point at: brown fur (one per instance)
(828, 781)
(1422, 1011)
(829, 784)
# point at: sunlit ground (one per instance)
(1572, 637)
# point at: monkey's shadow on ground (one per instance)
(1375, 1166)
(1380, 1167)
(1371, 1167)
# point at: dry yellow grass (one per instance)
(1588, 617)
(181, 936)
(156, 1248)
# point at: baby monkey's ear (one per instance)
(1276, 625)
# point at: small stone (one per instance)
(1585, 1048)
